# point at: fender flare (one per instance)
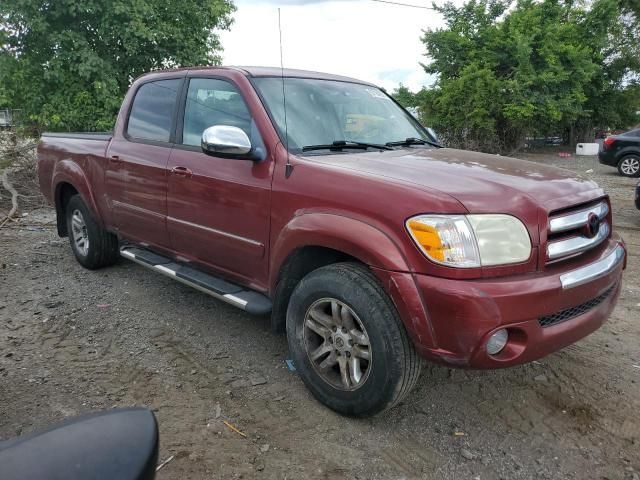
(68, 171)
(353, 237)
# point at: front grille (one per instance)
(569, 313)
(576, 230)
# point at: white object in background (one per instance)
(587, 149)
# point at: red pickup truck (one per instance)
(318, 199)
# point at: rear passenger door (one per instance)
(218, 209)
(136, 175)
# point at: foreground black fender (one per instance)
(116, 444)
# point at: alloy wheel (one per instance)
(79, 232)
(337, 344)
(630, 165)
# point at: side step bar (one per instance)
(248, 300)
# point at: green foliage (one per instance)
(507, 70)
(404, 96)
(67, 64)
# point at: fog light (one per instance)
(497, 341)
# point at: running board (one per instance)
(248, 300)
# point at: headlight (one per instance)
(467, 241)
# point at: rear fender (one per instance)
(627, 150)
(68, 171)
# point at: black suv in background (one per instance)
(622, 151)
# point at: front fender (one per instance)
(347, 235)
(369, 245)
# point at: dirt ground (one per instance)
(73, 341)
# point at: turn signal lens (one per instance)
(445, 239)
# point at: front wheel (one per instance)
(347, 341)
(629, 166)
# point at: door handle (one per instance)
(115, 159)
(182, 171)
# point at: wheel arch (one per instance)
(69, 180)
(314, 240)
(62, 194)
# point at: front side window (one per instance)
(213, 102)
(320, 112)
(153, 110)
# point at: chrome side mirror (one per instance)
(225, 140)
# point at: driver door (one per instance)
(218, 209)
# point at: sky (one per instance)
(371, 41)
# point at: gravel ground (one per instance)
(73, 341)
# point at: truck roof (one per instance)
(255, 71)
(291, 72)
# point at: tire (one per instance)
(347, 294)
(92, 246)
(629, 165)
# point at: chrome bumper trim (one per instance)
(595, 270)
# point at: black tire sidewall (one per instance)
(382, 325)
(94, 232)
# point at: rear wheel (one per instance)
(92, 246)
(629, 166)
(347, 341)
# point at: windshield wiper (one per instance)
(412, 141)
(338, 145)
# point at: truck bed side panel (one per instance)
(77, 159)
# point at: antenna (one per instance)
(288, 167)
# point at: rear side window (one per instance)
(213, 102)
(153, 109)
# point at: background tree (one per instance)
(404, 96)
(508, 70)
(67, 64)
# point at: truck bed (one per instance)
(85, 150)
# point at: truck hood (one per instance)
(482, 182)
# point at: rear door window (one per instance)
(153, 109)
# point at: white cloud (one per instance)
(372, 41)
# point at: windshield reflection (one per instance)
(320, 112)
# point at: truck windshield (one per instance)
(323, 112)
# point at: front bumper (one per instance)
(460, 315)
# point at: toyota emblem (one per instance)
(593, 225)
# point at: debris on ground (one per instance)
(256, 380)
(467, 454)
(163, 464)
(234, 429)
